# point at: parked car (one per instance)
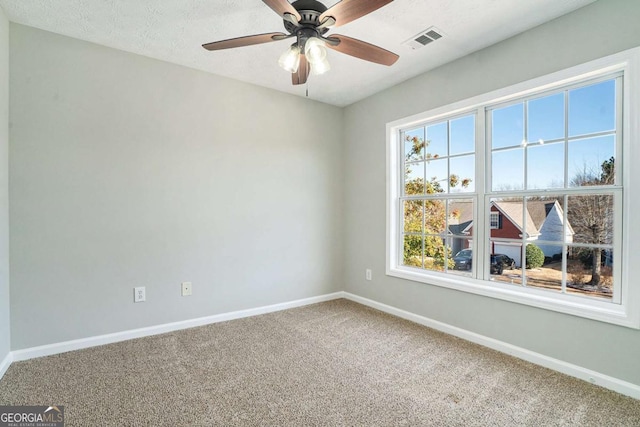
(464, 260)
(506, 261)
(496, 265)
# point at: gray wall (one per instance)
(4, 187)
(127, 171)
(603, 28)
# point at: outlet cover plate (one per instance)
(186, 289)
(139, 294)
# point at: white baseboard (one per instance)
(6, 362)
(62, 347)
(615, 384)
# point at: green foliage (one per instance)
(535, 256)
(608, 171)
(413, 251)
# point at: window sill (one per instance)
(549, 300)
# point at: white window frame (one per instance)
(626, 311)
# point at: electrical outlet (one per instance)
(139, 294)
(367, 274)
(186, 289)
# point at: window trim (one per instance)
(627, 312)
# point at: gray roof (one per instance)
(539, 210)
(514, 211)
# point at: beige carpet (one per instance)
(331, 364)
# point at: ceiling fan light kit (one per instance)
(309, 21)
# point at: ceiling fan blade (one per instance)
(244, 41)
(348, 10)
(300, 77)
(362, 50)
(281, 7)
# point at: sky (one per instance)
(539, 136)
(591, 110)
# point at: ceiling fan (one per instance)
(308, 21)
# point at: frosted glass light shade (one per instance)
(320, 67)
(314, 50)
(290, 59)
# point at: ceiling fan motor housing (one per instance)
(310, 11)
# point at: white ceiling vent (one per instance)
(423, 38)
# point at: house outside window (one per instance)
(519, 194)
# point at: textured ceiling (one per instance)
(174, 30)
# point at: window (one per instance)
(553, 172)
(519, 194)
(494, 220)
(439, 162)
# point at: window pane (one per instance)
(592, 108)
(591, 218)
(414, 178)
(591, 161)
(461, 258)
(412, 254)
(590, 272)
(437, 176)
(437, 139)
(505, 261)
(413, 214)
(547, 276)
(507, 126)
(463, 136)
(547, 214)
(545, 118)
(505, 243)
(435, 216)
(512, 218)
(507, 167)
(460, 218)
(414, 145)
(545, 166)
(434, 253)
(462, 174)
